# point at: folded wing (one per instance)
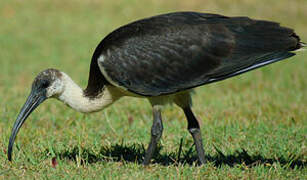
(178, 51)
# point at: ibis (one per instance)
(162, 58)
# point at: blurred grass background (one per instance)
(262, 112)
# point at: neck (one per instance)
(74, 97)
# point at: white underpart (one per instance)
(73, 96)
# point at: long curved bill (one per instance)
(32, 102)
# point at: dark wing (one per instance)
(178, 51)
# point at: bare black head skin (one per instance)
(192, 49)
(47, 84)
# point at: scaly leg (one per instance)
(156, 133)
(194, 129)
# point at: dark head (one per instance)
(47, 84)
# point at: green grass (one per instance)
(254, 126)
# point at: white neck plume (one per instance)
(74, 97)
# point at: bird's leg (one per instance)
(156, 133)
(194, 129)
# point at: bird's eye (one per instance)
(45, 84)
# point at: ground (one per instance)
(254, 126)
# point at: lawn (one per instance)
(254, 126)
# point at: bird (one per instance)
(163, 58)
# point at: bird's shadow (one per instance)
(135, 152)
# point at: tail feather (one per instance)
(258, 43)
(301, 47)
(262, 61)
